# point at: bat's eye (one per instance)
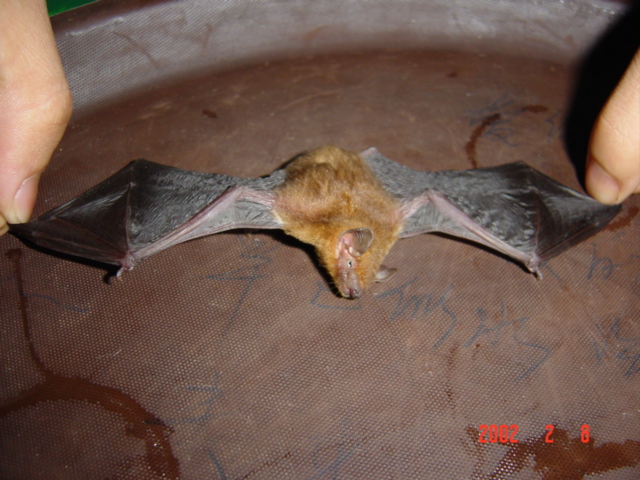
(349, 264)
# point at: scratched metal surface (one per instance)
(230, 358)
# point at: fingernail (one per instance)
(25, 198)
(602, 186)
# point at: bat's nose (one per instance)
(353, 292)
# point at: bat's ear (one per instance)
(356, 240)
(385, 273)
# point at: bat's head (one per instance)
(359, 262)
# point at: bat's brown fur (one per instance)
(329, 191)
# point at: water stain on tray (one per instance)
(139, 422)
(470, 146)
(624, 218)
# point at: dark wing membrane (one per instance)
(147, 207)
(511, 208)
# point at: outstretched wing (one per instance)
(512, 208)
(147, 207)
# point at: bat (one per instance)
(351, 207)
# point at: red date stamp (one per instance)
(498, 433)
(507, 433)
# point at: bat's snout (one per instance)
(349, 284)
(352, 292)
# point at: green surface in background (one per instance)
(59, 6)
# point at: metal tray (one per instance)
(229, 357)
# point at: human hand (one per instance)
(35, 104)
(613, 162)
